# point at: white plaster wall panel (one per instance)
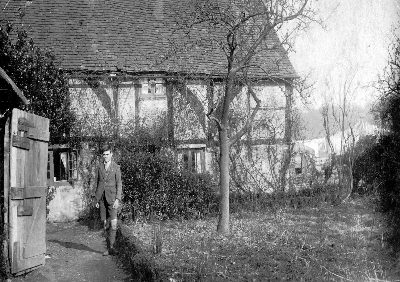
(270, 119)
(126, 104)
(269, 124)
(200, 90)
(240, 102)
(186, 123)
(261, 170)
(92, 117)
(151, 111)
(271, 96)
(152, 101)
(66, 204)
(208, 159)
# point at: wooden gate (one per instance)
(25, 176)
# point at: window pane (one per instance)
(60, 165)
(185, 160)
(194, 161)
(48, 166)
(73, 172)
(197, 161)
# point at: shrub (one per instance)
(51, 193)
(154, 185)
(134, 259)
(311, 197)
(366, 168)
(3, 258)
(387, 151)
(36, 73)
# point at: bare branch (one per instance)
(250, 119)
(266, 30)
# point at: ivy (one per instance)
(36, 73)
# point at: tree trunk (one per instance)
(223, 222)
(287, 156)
(285, 163)
(224, 147)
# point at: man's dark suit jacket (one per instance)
(108, 182)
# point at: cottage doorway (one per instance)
(24, 176)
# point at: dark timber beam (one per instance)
(170, 112)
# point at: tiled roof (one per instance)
(126, 35)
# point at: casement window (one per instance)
(62, 165)
(298, 161)
(153, 88)
(192, 157)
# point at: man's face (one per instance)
(107, 155)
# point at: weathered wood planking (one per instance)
(6, 186)
(27, 208)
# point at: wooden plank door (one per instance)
(28, 139)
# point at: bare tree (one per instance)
(240, 28)
(338, 115)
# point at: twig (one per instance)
(337, 275)
(6, 5)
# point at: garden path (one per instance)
(74, 253)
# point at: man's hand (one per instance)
(97, 205)
(116, 204)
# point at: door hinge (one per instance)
(21, 139)
(25, 207)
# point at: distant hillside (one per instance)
(312, 121)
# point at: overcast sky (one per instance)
(354, 42)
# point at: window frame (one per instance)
(71, 169)
(153, 89)
(189, 152)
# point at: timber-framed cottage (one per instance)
(116, 55)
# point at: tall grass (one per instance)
(342, 243)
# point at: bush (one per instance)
(133, 258)
(312, 197)
(379, 165)
(3, 259)
(155, 186)
(378, 170)
(366, 166)
(36, 73)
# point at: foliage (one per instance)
(383, 158)
(316, 196)
(141, 138)
(51, 192)
(3, 259)
(133, 259)
(366, 169)
(155, 186)
(256, 167)
(328, 244)
(144, 135)
(35, 72)
(239, 30)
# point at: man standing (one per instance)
(108, 194)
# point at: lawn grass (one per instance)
(342, 243)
